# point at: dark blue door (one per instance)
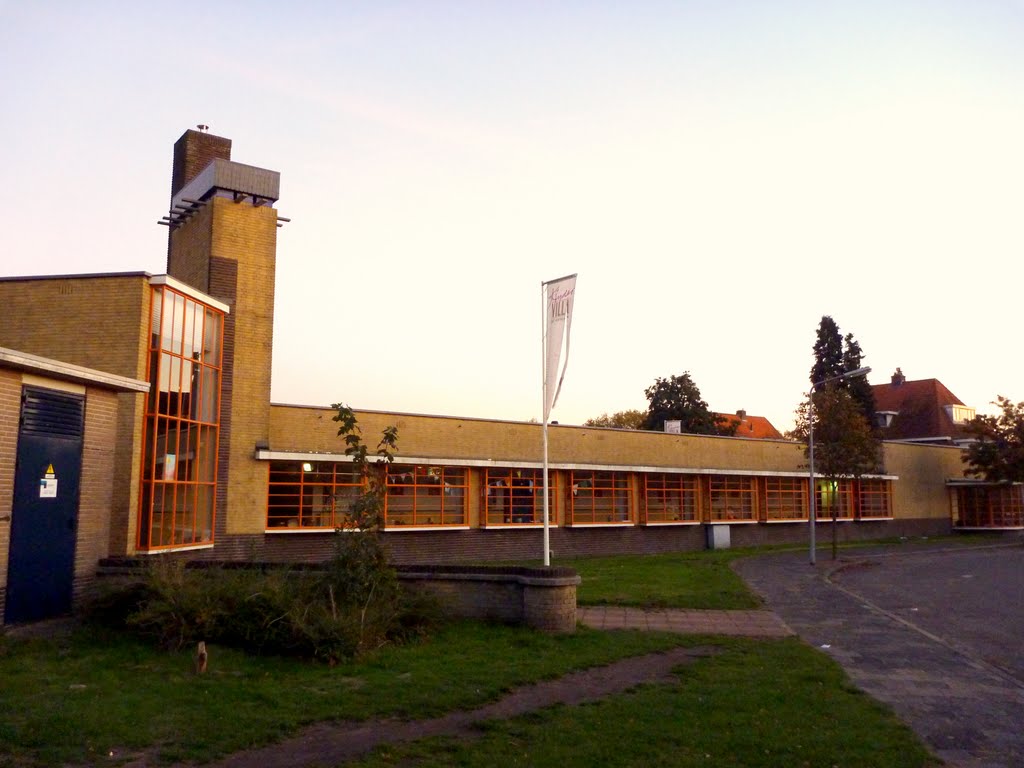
(44, 519)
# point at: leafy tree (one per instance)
(678, 397)
(844, 444)
(632, 419)
(998, 454)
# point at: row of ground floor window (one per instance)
(317, 496)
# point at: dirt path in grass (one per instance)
(331, 744)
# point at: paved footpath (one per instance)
(744, 623)
(936, 635)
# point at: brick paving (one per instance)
(933, 634)
(691, 622)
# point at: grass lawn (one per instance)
(705, 580)
(76, 699)
(675, 580)
(776, 703)
(79, 698)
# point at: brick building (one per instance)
(205, 463)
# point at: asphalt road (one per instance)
(936, 633)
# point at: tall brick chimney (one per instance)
(192, 153)
(898, 378)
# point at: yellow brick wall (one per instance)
(10, 410)
(96, 497)
(923, 469)
(98, 322)
(76, 319)
(247, 235)
(188, 251)
(919, 493)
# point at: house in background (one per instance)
(756, 427)
(921, 411)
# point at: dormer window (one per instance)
(959, 414)
(884, 419)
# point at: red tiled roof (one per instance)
(920, 407)
(751, 426)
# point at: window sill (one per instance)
(656, 523)
(731, 522)
(172, 548)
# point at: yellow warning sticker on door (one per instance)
(49, 471)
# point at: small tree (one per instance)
(678, 397)
(998, 454)
(358, 578)
(620, 419)
(844, 444)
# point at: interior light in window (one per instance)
(307, 467)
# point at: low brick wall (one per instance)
(542, 598)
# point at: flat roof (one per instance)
(56, 369)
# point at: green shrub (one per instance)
(353, 605)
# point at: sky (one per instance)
(718, 174)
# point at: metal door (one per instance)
(44, 520)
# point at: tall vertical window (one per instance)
(600, 497)
(419, 495)
(670, 498)
(179, 468)
(516, 496)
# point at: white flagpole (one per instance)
(544, 412)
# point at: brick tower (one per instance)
(223, 241)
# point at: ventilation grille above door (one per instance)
(57, 414)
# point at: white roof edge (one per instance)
(265, 454)
(188, 290)
(61, 370)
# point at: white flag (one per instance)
(558, 298)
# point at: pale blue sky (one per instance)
(720, 174)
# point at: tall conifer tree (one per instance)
(828, 351)
(858, 386)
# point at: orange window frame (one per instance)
(426, 496)
(732, 498)
(515, 496)
(181, 427)
(671, 498)
(311, 495)
(874, 499)
(991, 506)
(838, 492)
(598, 497)
(785, 499)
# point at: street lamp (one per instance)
(812, 522)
